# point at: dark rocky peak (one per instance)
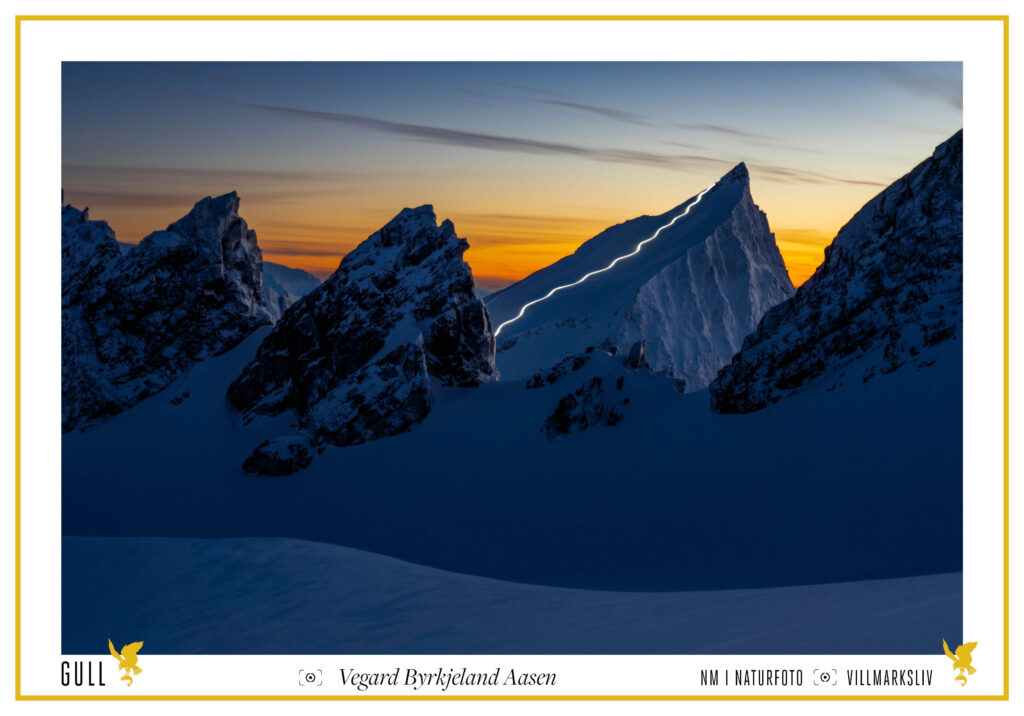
(218, 247)
(134, 321)
(88, 249)
(888, 292)
(354, 359)
(737, 175)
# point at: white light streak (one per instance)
(634, 252)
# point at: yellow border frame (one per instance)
(1005, 19)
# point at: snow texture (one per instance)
(692, 293)
(134, 320)
(283, 596)
(889, 291)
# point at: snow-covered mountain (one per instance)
(692, 293)
(889, 291)
(284, 285)
(355, 358)
(597, 471)
(134, 320)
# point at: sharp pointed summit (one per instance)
(691, 282)
(737, 174)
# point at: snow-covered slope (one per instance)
(282, 596)
(354, 359)
(134, 321)
(889, 291)
(692, 293)
(284, 285)
(824, 486)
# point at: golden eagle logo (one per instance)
(961, 659)
(128, 659)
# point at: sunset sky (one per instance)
(527, 159)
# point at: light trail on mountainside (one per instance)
(634, 252)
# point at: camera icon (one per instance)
(311, 677)
(826, 677)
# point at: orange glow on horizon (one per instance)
(503, 248)
(527, 160)
(802, 250)
(498, 259)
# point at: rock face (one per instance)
(282, 455)
(283, 286)
(587, 406)
(559, 370)
(691, 294)
(88, 249)
(890, 288)
(354, 359)
(637, 357)
(134, 321)
(602, 385)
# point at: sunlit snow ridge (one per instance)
(634, 252)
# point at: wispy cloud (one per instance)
(684, 145)
(307, 248)
(608, 112)
(751, 138)
(128, 199)
(504, 143)
(912, 127)
(925, 85)
(281, 226)
(132, 199)
(809, 238)
(722, 129)
(778, 144)
(484, 140)
(198, 174)
(808, 177)
(535, 242)
(545, 220)
(529, 89)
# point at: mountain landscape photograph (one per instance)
(512, 357)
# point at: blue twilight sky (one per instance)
(528, 159)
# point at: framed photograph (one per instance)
(512, 358)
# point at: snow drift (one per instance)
(309, 598)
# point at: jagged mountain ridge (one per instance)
(135, 320)
(889, 290)
(282, 285)
(354, 359)
(691, 294)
